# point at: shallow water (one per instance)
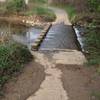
(80, 31)
(19, 33)
(60, 36)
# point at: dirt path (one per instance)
(61, 15)
(54, 75)
(52, 88)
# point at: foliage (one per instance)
(71, 11)
(12, 58)
(38, 1)
(15, 5)
(94, 5)
(93, 44)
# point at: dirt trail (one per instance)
(61, 16)
(61, 83)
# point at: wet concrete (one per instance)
(19, 33)
(60, 36)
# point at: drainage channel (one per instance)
(35, 46)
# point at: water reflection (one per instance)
(19, 33)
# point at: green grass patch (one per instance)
(71, 11)
(38, 1)
(45, 13)
(12, 58)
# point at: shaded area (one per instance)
(60, 36)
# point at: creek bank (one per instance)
(24, 20)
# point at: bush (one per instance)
(93, 45)
(16, 5)
(94, 5)
(12, 58)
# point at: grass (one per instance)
(93, 46)
(71, 11)
(38, 7)
(39, 1)
(12, 58)
(92, 42)
(45, 13)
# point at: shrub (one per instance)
(93, 46)
(69, 9)
(12, 58)
(94, 5)
(16, 5)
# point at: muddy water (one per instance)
(18, 33)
